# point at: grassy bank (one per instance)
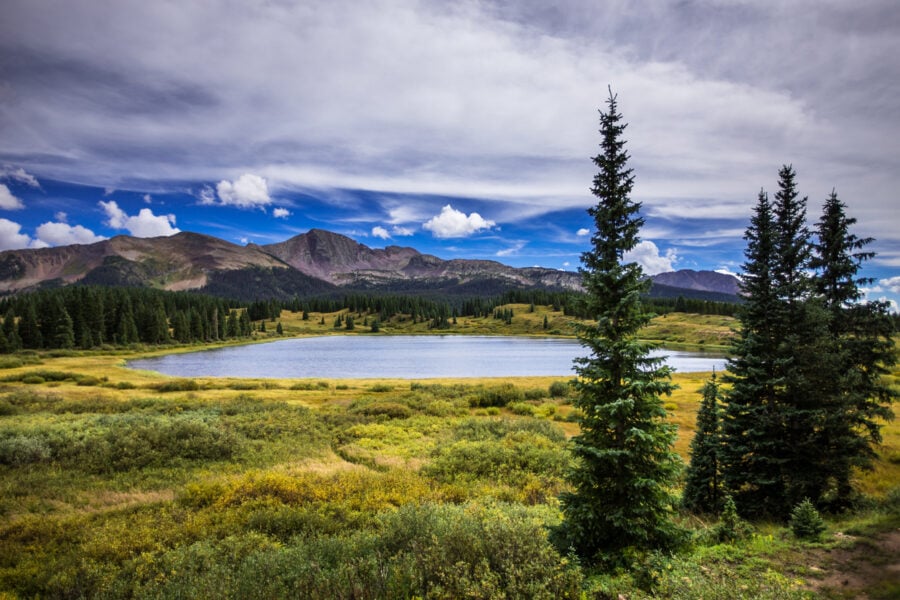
(120, 483)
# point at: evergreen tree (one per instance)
(800, 350)
(861, 351)
(29, 327)
(348, 324)
(11, 332)
(231, 325)
(621, 501)
(279, 329)
(702, 487)
(751, 453)
(56, 325)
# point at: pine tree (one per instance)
(750, 454)
(702, 487)
(621, 501)
(11, 331)
(29, 327)
(861, 351)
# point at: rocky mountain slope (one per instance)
(313, 263)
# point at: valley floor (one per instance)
(122, 483)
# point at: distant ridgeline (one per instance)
(88, 317)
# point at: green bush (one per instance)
(730, 527)
(521, 408)
(380, 388)
(391, 410)
(535, 394)
(33, 379)
(19, 450)
(10, 362)
(497, 396)
(559, 389)
(178, 385)
(806, 522)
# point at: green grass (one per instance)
(122, 483)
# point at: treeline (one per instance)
(90, 316)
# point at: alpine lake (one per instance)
(401, 357)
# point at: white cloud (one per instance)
(207, 195)
(380, 232)
(452, 223)
(647, 255)
(11, 236)
(61, 217)
(144, 224)
(21, 176)
(8, 201)
(248, 191)
(511, 251)
(148, 199)
(582, 232)
(892, 284)
(63, 234)
(281, 213)
(402, 231)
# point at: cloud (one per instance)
(11, 236)
(281, 213)
(61, 216)
(63, 234)
(647, 255)
(8, 201)
(582, 232)
(402, 231)
(20, 175)
(148, 199)
(511, 251)
(891, 284)
(248, 191)
(380, 232)
(452, 223)
(144, 224)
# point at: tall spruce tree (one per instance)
(751, 454)
(861, 350)
(621, 501)
(702, 486)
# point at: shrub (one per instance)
(380, 388)
(497, 396)
(559, 389)
(18, 450)
(535, 394)
(731, 527)
(391, 410)
(521, 408)
(10, 362)
(806, 522)
(33, 379)
(178, 385)
(88, 381)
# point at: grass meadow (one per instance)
(117, 483)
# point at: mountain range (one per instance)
(318, 262)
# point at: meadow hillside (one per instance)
(126, 484)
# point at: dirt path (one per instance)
(868, 570)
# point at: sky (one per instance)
(462, 129)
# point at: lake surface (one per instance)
(404, 357)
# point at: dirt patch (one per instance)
(867, 570)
